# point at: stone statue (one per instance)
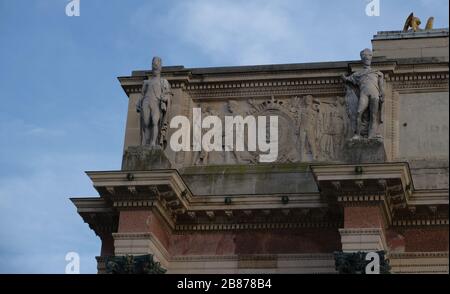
(365, 97)
(153, 107)
(414, 22)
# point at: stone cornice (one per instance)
(401, 35)
(429, 197)
(420, 222)
(169, 177)
(419, 82)
(406, 255)
(372, 171)
(258, 201)
(387, 184)
(98, 213)
(294, 79)
(373, 236)
(419, 262)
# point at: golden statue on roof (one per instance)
(414, 22)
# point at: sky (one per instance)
(62, 110)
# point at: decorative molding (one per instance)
(362, 239)
(255, 226)
(420, 262)
(255, 263)
(407, 82)
(395, 126)
(409, 255)
(393, 196)
(420, 222)
(402, 79)
(300, 256)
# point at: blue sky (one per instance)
(62, 110)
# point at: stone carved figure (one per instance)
(343, 127)
(327, 137)
(202, 157)
(310, 122)
(365, 97)
(153, 107)
(333, 130)
(234, 109)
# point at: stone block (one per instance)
(362, 239)
(365, 150)
(145, 158)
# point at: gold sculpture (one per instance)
(414, 22)
(429, 25)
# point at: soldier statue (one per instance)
(365, 97)
(153, 107)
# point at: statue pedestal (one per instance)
(145, 158)
(365, 150)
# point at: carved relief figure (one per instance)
(333, 131)
(153, 107)
(202, 157)
(365, 97)
(310, 122)
(342, 123)
(237, 156)
(327, 139)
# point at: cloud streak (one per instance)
(250, 32)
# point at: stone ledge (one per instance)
(395, 35)
(362, 239)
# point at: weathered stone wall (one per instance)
(424, 126)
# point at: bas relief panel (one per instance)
(309, 128)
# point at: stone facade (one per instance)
(228, 213)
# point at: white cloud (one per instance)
(251, 32)
(19, 127)
(39, 131)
